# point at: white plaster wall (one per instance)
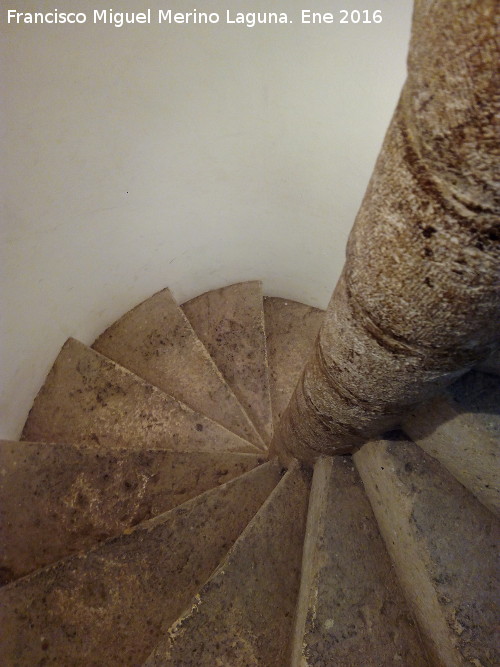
(187, 156)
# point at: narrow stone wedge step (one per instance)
(350, 610)
(110, 605)
(155, 341)
(491, 365)
(230, 324)
(443, 543)
(89, 398)
(58, 499)
(291, 329)
(244, 613)
(462, 431)
(478, 394)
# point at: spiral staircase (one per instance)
(145, 523)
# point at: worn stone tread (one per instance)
(156, 342)
(443, 543)
(59, 499)
(89, 398)
(244, 614)
(462, 430)
(291, 329)
(109, 605)
(350, 610)
(230, 323)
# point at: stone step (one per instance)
(110, 606)
(156, 342)
(291, 329)
(443, 544)
(350, 610)
(491, 365)
(230, 324)
(244, 613)
(89, 398)
(462, 431)
(59, 499)
(479, 394)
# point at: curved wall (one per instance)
(185, 155)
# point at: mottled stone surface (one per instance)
(58, 499)
(419, 300)
(244, 613)
(291, 329)
(89, 398)
(462, 442)
(110, 605)
(443, 543)
(230, 324)
(350, 610)
(156, 341)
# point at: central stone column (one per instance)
(418, 302)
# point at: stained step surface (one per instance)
(291, 329)
(58, 499)
(110, 605)
(443, 544)
(244, 614)
(89, 398)
(462, 430)
(230, 323)
(156, 341)
(351, 610)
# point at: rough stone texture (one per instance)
(244, 613)
(462, 437)
(443, 544)
(58, 499)
(110, 605)
(88, 398)
(230, 324)
(156, 341)
(351, 610)
(419, 300)
(291, 329)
